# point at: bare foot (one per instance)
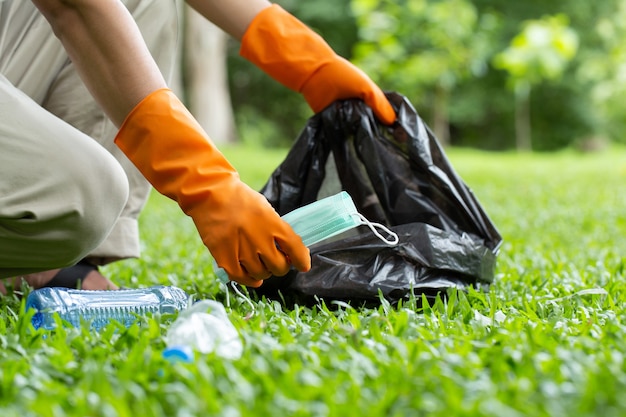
(94, 280)
(35, 280)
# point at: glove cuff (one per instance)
(172, 151)
(275, 41)
(295, 56)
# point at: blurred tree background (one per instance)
(490, 74)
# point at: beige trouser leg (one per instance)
(53, 210)
(34, 62)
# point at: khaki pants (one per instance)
(66, 191)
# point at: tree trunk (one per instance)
(175, 81)
(206, 77)
(441, 120)
(523, 127)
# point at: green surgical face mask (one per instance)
(324, 219)
(329, 217)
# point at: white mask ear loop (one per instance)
(394, 239)
(233, 284)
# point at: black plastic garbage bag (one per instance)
(398, 176)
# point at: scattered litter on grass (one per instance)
(498, 318)
(205, 328)
(588, 291)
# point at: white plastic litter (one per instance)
(205, 327)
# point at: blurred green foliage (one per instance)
(442, 55)
(540, 52)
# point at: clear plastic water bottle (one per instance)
(101, 307)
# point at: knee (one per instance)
(67, 206)
(100, 190)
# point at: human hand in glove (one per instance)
(245, 235)
(297, 57)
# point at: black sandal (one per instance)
(72, 276)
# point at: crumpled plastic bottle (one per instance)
(204, 327)
(101, 307)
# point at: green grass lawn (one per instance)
(548, 339)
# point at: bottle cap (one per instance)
(181, 353)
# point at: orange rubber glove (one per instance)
(298, 58)
(237, 224)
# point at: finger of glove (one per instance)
(255, 267)
(247, 281)
(381, 107)
(260, 256)
(340, 79)
(234, 269)
(296, 252)
(229, 263)
(276, 262)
